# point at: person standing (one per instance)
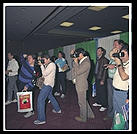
(121, 79)
(12, 72)
(101, 79)
(80, 72)
(117, 44)
(61, 75)
(48, 73)
(26, 75)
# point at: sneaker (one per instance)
(96, 105)
(102, 109)
(57, 94)
(62, 96)
(56, 112)
(77, 118)
(27, 115)
(8, 102)
(15, 100)
(37, 122)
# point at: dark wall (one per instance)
(16, 47)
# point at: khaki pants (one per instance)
(85, 109)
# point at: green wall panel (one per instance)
(56, 50)
(125, 37)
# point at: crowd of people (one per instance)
(111, 79)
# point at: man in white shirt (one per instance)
(121, 79)
(48, 72)
(12, 72)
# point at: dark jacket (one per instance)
(102, 72)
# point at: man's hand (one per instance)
(25, 88)
(39, 63)
(76, 60)
(24, 55)
(117, 61)
(114, 50)
(127, 100)
(101, 82)
(109, 66)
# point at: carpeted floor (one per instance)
(63, 121)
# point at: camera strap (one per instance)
(45, 66)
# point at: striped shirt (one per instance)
(111, 72)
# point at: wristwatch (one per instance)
(119, 65)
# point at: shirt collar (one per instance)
(126, 63)
(82, 59)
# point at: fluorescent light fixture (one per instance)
(117, 31)
(125, 16)
(66, 24)
(97, 8)
(95, 28)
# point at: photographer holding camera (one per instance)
(80, 72)
(117, 45)
(48, 73)
(121, 78)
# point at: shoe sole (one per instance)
(28, 116)
(102, 110)
(96, 106)
(40, 123)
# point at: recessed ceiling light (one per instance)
(66, 24)
(97, 8)
(125, 16)
(117, 31)
(95, 28)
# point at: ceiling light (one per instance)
(95, 28)
(97, 8)
(125, 16)
(66, 24)
(117, 31)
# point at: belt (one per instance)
(120, 90)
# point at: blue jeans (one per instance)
(119, 98)
(45, 92)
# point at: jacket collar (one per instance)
(82, 59)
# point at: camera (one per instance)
(37, 61)
(77, 52)
(118, 55)
(42, 61)
(74, 55)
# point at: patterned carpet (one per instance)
(63, 121)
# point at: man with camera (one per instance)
(117, 45)
(121, 77)
(80, 72)
(48, 73)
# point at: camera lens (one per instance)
(122, 54)
(115, 55)
(42, 61)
